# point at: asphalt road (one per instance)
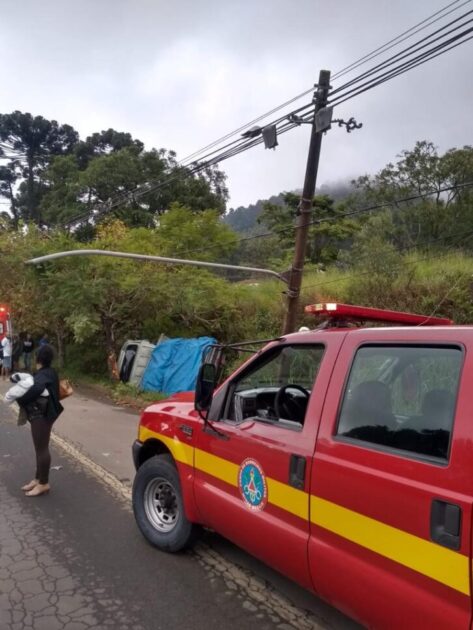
(74, 560)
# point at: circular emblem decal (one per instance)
(252, 484)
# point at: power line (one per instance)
(416, 46)
(396, 201)
(211, 159)
(304, 93)
(450, 290)
(409, 63)
(243, 146)
(340, 217)
(427, 21)
(399, 39)
(410, 66)
(237, 146)
(251, 122)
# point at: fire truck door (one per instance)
(391, 493)
(252, 477)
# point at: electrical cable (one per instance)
(251, 122)
(238, 146)
(450, 290)
(410, 66)
(407, 52)
(239, 141)
(339, 217)
(399, 39)
(241, 145)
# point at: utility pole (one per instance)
(305, 205)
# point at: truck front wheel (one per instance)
(158, 506)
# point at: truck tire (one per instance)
(158, 505)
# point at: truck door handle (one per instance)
(445, 523)
(297, 471)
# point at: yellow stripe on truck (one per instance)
(181, 451)
(439, 563)
(288, 498)
(217, 467)
(436, 562)
(279, 494)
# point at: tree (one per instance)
(31, 142)
(422, 171)
(134, 186)
(326, 236)
(104, 143)
(9, 174)
(197, 235)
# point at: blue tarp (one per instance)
(174, 364)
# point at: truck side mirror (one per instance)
(205, 386)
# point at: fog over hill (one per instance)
(244, 219)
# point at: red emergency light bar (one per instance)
(348, 311)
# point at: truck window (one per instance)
(402, 398)
(277, 388)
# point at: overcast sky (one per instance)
(179, 74)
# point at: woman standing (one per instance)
(42, 411)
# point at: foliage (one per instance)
(439, 215)
(52, 178)
(327, 235)
(29, 143)
(243, 219)
(180, 230)
(96, 303)
(413, 257)
(132, 396)
(76, 193)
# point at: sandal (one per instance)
(30, 485)
(38, 490)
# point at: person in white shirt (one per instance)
(6, 363)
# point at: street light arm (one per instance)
(158, 259)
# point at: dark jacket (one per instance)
(44, 378)
(17, 349)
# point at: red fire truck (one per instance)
(5, 321)
(340, 456)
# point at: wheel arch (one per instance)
(154, 447)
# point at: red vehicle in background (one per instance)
(5, 321)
